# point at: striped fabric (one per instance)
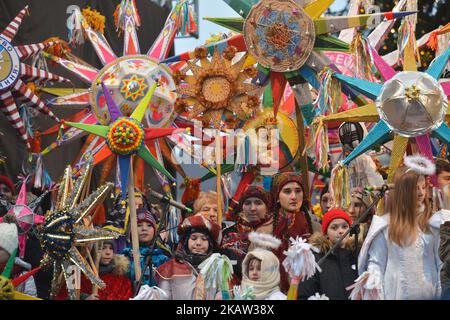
(28, 50)
(31, 74)
(9, 109)
(10, 32)
(26, 92)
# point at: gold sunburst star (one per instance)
(133, 87)
(216, 86)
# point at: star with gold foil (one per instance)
(407, 108)
(65, 228)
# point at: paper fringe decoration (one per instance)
(76, 34)
(265, 241)
(217, 271)
(339, 186)
(420, 164)
(362, 56)
(330, 94)
(151, 293)
(246, 294)
(120, 15)
(299, 263)
(433, 40)
(368, 286)
(317, 144)
(406, 33)
(92, 17)
(186, 19)
(318, 296)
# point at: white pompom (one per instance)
(151, 293)
(300, 261)
(318, 296)
(368, 286)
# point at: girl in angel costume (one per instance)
(399, 259)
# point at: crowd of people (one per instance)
(403, 250)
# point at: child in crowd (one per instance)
(146, 225)
(339, 268)
(400, 252)
(261, 269)
(178, 277)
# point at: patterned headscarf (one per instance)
(280, 180)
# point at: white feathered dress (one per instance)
(408, 273)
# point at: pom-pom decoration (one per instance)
(368, 286)
(318, 296)
(299, 263)
(216, 271)
(150, 293)
(125, 136)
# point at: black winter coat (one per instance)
(338, 272)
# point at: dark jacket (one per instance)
(444, 255)
(338, 272)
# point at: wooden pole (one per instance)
(302, 158)
(133, 225)
(218, 178)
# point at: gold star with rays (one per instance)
(213, 87)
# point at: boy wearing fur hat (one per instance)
(339, 269)
(9, 242)
(146, 225)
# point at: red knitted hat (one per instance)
(7, 181)
(334, 214)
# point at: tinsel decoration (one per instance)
(330, 94)
(339, 186)
(217, 271)
(362, 57)
(64, 228)
(126, 9)
(299, 263)
(317, 144)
